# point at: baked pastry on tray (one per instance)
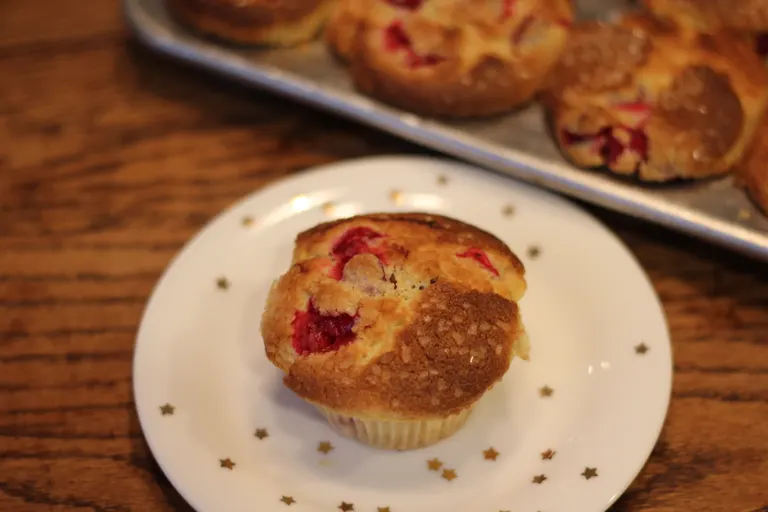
(752, 173)
(394, 325)
(745, 17)
(455, 58)
(254, 22)
(644, 98)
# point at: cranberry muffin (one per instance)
(454, 58)
(254, 22)
(395, 325)
(752, 173)
(644, 98)
(745, 17)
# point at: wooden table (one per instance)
(111, 157)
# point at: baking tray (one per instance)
(517, 144)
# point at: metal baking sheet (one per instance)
(516, 144)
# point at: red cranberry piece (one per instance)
(314, 332)
(610, 147)
(479, 256)
(353, 242)
(397, 39)
(411, 5)
(507, 9)
(761, 44)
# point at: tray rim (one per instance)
(570, 181)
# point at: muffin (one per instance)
(454, 58)
(395, 325)
(752, 173)
(644, 98)
(745, 17)
(254, 22)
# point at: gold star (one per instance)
(382, 509)
(434, 464)
(546, 391)
(534, 252)
(346, 507)
(539, 479)
(324, 447)
(449, 474)
(490, 454)
(288, 500)
(222, 283)
(247, 221)
(166, 409)
(641, 349)
(589, 473)
(442, 179)
(396, 196)
(227, 463)
(329, 208)
(261, 433)
(547, 455)
(508, 210)
(744, 214)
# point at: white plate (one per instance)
(588, 308)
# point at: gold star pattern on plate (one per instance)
(508, 211)
(434, 464)
(641, 349)
(396, 196)
(547, 455)
(223, 283)
(534, 252)
(538, 479)
(346, 507)
(227, 463)
(166, 409)
(589, 473)
(442, 179)
(261, 433)
(324, 447)
(247, 221)
(490, 454)
(744, 214)
(546, 391)
(449, 474)
(329, 208)
(288, 500)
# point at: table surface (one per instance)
(112, 157)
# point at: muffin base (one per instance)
(396, 434)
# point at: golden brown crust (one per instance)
(741, 15)
(752, 173)
(453, 59)
(267, 22)
(646, 98)
(433, 330)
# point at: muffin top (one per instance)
(405, 315)
(741, 15)
(451, 57)
(645, 97)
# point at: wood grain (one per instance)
(111, 157)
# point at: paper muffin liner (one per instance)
(396, 434)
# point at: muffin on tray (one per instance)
(254, 22)
(645, 98)
(395, 325)
(454, 58)
(745, 17)
(752, 173)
